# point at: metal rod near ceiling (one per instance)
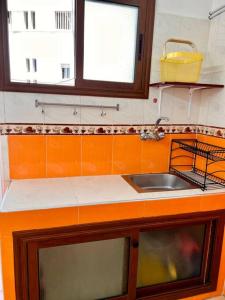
(216, 12)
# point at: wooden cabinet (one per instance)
(169, 257)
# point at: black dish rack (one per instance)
(202, 157)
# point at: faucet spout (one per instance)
(161, 119)
(154, 134)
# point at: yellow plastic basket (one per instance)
(181, 66)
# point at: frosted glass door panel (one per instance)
(170, 255)
(86, 271)
(110, 35)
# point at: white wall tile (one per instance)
(174, 105)
(20, 108)
(212, 108)
(212, 112)
(60, 114)
(131, 111)
(171, 26)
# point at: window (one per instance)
(106, 44)
(34, 65)
(110, 57)
(65, 71)
(29, 19)
(34, 61)
(31, 70)
(33, 19)
(25, 13)
(28, 64)
(17, 21)
(63, 20)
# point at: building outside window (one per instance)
(41, 32)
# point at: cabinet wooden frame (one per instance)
(28, 243)
(138, 89)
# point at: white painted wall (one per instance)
(189, 8)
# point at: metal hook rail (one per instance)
(216, 12)
(39, 103)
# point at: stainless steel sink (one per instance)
(144, 183)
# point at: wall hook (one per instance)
(42, 110)
(103, 113)
(75, 112)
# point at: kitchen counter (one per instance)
(37, 194)
(61, 202)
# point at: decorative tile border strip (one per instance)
(68, 129)
(211, 131)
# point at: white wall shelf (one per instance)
(192, 87)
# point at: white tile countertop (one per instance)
(35, 194)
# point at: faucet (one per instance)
(154, 133)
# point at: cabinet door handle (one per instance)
(135, 244)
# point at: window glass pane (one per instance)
(170, 255)
(34, 33)
(93, 270)
(110, 40)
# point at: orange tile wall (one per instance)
(33, 156)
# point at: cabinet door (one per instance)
(170, 255)
(175, 258)
(84, 271)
